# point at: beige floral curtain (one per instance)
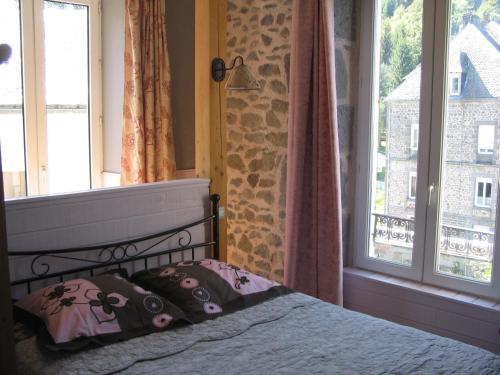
(147, 139)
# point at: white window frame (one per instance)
(414, 136)
(34, 94)
(458, 78)
(433, 105)
(480, 201)
(412, 175)
(485, 151)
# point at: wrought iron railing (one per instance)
(464, 242)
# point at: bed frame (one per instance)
(117, 254)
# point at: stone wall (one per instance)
(257, 123)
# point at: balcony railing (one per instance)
(456, 241)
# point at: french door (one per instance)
(430, 115)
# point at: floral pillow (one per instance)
(101, 309)
(208, 288)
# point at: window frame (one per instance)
(479, 149)
(412, 175)
(414, 137)
(433, 105)
(477, 198)
(457, 77)
(34, 108)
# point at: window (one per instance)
(414, 137)
(412, 185)
(50, 97)
(425, 221)
(485, 139)
(483, 192)
(455, 84)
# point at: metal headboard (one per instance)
(118, 253)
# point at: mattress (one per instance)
(291, 334)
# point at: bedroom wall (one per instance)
(257, 128)
(180, 25)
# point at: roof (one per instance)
(493, 29)
(473, 52)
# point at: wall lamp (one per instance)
(241, 78)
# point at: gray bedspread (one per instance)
(293, 334)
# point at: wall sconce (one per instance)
(241, 78)
(5, 53)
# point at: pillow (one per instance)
(122, 272)
(101, 309)
(208, 288)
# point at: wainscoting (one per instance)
(459, 316)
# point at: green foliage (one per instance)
(388, 7)
(403, 59)
(385, 42)
(401, 41)
(476, 270)
(379, 200)
(487, 8)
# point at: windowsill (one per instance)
(426, 289)
(482, 207)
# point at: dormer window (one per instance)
(455, 84)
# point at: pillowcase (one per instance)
(122, 272)
(101, 309)
(208, 288)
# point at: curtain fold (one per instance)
(147, 139)
(313, 255)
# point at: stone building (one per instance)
(472, 156)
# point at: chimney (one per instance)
(470, 17)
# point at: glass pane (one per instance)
(486, 139)
(471, 161)
(11, 103)
(396, 131)
(67, 96)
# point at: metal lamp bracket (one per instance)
(219, 68)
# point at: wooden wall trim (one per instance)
(210, 103)
(7, 352)
(203, 51)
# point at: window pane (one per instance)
(11, 103)
(469, 178)
(67, 90)
(396, 131)
(486, 139)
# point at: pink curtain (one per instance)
(313, 258)
(147, 139)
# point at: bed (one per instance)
(289, 333)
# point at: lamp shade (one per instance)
(241, 78)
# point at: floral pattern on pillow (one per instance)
(105, 305)
(205, 289)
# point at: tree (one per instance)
(402, 59)
(385, 42)
(487, 8)
(389, 7)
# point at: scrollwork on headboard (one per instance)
(90, 258)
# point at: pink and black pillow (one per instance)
(101, 309)
(208, 288)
